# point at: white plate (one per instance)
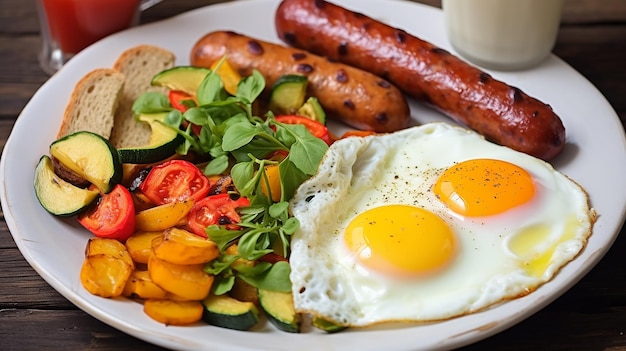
(595, 157)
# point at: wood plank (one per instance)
(18, 19)
(24, 288)
(584, 47)
(21, 330)
(6, 240)
(594, 11)
(20, 75)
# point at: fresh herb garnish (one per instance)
(236, 141)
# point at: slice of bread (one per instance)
(93, 103)
(138, 64)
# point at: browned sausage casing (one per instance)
(357, 98)
(502, 113)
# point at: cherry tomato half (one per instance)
(316, 128)
(175, 180)
(215, 209)
(113, 217)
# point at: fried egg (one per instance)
(429, 223)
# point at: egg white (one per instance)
(358, 174)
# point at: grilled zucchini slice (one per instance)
(226, 312)
(57, 196)
(91, 157)
(278, 306)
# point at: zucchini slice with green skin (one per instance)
(279, 309)
(90, 156)
(57, 196)
(288, 94)
(181, 78)
(326, 325)
(226, 312)
(163, 142)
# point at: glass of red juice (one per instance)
(69, 26)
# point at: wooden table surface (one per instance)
(590, 316)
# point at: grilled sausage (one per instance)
(357, 98)
(502, 113)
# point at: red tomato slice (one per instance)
(113, 217)
(316, 128)
(177, 99)
(215, 209)
(175, 180)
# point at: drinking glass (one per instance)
(68, 26)
(503, 34)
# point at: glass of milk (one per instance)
(503, 34)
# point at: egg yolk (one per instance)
(400, 240)
(484, 187)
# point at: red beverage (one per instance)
(75, 24)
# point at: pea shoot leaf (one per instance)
(251, 87)
(291, 177)
(211, 89)
(216, 166)
(242, 174)
(268, 277)
(238, 135)
(151, 102)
